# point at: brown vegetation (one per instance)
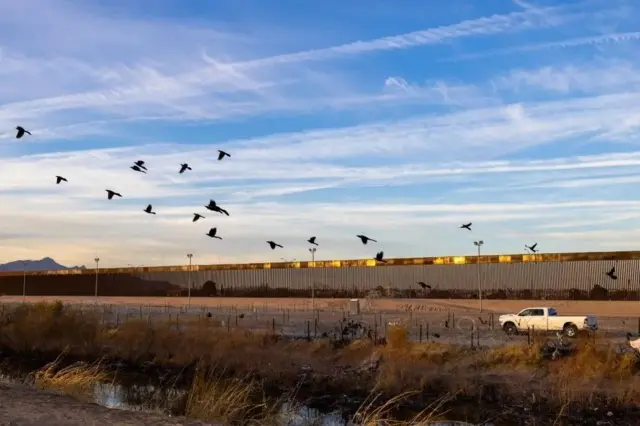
(238, 376)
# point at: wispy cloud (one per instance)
(562, 44)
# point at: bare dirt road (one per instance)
(569, 307)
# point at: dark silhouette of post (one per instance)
(313, 287)
(190, 255)
(479, 244)
(97, 260)
(24, 282)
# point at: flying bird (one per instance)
(197, 216)
(137, 168)
(423, 285)
(532, 248)
(312, 240)
(184, 167)
(216, 208)
(140, 164)
(466, 226)
(60, 179)
(148, 209)
(379, 257)
(365, 239)
(212, 233)
(21, 131)
(111, 193)
(612, 273)
(222, 154)
(273, 245)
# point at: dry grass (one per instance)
(229, 400)
(411, 370)
(78, 380)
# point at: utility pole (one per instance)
(313, 286)
(97, 260)
(24, 281)
(479, 244)
(189, 255)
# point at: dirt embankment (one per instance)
(24, 406)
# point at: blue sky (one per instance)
(399, 120)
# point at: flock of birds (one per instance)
(140, 167)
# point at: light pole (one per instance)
(313, 287)
(189, 255)
(24, 282)
(95, 290)
(479, 244)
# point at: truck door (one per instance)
(538, 319)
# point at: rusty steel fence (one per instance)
(577, 276)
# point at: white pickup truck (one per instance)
(547, 319)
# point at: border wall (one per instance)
(553, 276)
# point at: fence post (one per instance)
(308, 330)
(228, 323)
(273, 325)
(420, 334)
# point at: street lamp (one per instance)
(479, 244)
(97, 260)
(24, 281)
(313, 287)
(189, 255)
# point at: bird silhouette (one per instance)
(532, 248)
(148, 209)
(466, 226)
(111, 193)
(137, 168)
(365, 239)
(184, 167)
(379, 257)
(21, 131)
(140, 164)
(273, 245)
(222, 154)
(423, 285)
(612, 273)
(312, 240)
(197, 216)
(212, 233)
(60, 179)
(436, 335)
(216, 208)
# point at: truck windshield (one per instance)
(553, 312)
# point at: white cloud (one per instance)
(573, 42)
(595, 76)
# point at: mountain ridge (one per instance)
(44, 264)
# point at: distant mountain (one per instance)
(45, 264)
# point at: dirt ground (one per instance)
(23, 406)
(564, 307)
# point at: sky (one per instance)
(398, 120)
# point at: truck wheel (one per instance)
(570, 330)
(510, 328)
